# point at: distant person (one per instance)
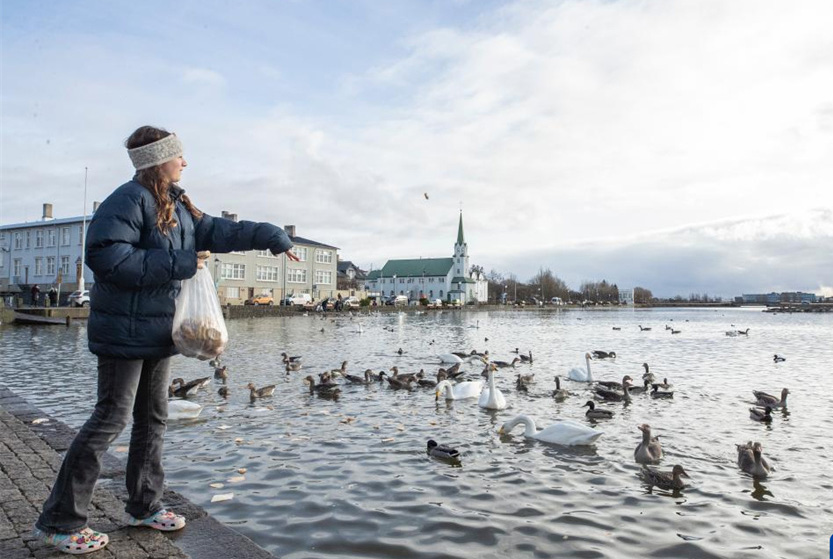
(142, 241)
(53, 297)
(35, 295)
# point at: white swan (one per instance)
(449, 358)
(579, 374)
(565, 432)
(491, 398)
(460, 391)
(183, 409)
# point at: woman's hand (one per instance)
(202, 256)
(291, 256)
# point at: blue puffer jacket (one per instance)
(138, 269)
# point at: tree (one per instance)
(642, 295)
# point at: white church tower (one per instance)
(461, 253)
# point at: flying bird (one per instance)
(426, 195)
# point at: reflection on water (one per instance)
(350, 477)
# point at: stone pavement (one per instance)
(29, 462)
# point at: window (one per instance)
(80, 234)
(401, 280)
(50, 265)
(18, 241)
(50, 237)
(267, 273)
(441, 292)
(64, 236)
(16, 267)
(300, 252)
(233, 271)
(65, 266)
(39, 238)
(324, 256)
(233, 292)
(28, 239)
(294, 275)
(38, 266)
(324, 277)
(266, 254)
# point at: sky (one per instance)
(680, 146)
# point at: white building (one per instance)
(625, 296)
(449, 279)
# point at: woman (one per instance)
(143, 240)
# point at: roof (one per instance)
(46, 223)
(344, 265)
(373, 274)
(461, 279)
(417, 267)
(303, 241)
(460, 239)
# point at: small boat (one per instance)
(26, 318)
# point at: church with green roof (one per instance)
(449, 279)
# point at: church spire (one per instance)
(460, 239)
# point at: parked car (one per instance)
(79, 298)
(300, 299)
(351, 302)
(262, 299)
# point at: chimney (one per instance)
(290, 230)
(224, 214)
(47, 212)
(95, 206)
(232, 217)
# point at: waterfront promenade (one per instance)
(30, 456)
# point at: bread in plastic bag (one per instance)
(199, 329)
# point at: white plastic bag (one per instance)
(199, 329)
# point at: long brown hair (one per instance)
(153, 180)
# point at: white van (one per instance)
(556, 301)
(301, 299)
(401, 300)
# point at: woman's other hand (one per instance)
(291, 256)
(202, 256)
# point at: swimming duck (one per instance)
(596, 413)
(617, 327)
(504, 364)
(182, 409)
(649, 451)
(223, 391)
(664, 384)
(665, 480)
(460, 391)
(214, 362)
(778, 359)
(751, 460)
(293, 359)
(400, 383)
(580, 375)
(341, 371)
(761, 414)
(184, 389)
(613, 385)
(292, 366)
(765, 399)
(641, 329)
(329, 389)
(640, 389)
(491, 398)
(442, 451)
(404, 377)
(657, 393)
(427, 382)
(526, 358)
(454, 369)
(255, 393)
(359, 380)
(526, 379)
(568, 433)
(599, 354)
(560, 394)
(380, 376)
(743, 332)
(615, 396)
(221, 373)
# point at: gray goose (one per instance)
(255, 393)
(323, 389)
(560, 394)
(765, 399)
(649, 451)
(751, 460)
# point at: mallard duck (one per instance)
(380, 376)
(640, 389)
(579, 374)
(288, 359)
(649, 451)
(459, 391)
(491, 398)
(665, 480)
(505, 364)
(560, 394)
(182, 409)
(761, 414)
(568, 433)
(221, 373)
(778, 359)
(329, 389)
(442, 451)
(223, 391)
(255, 393)
(184, 389)
(751, 460)
(599, 354)
(596, 413)
(657, 393)
(526, 358)
(765, 399)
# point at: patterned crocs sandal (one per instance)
(164, 520)
(77, 543)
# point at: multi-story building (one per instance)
(242, 275)
(450, 279)
(46, 253)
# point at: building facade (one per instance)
(450, 279)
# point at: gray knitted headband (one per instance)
(156, 153)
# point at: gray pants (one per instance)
(124, 386)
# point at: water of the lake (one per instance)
(351, 478)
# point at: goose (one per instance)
(778, 359)
(380, 376)
(761, 414)
(560, 394)
(516, 350)
(614, 396)
(359, 380)
(287, 358)
(617, 327)
(520, 385)
(675, 331)
(668, 327)
(403, 377)
(649, 451)
(594, 413)
(400, 383)
(568, 433)
(640, 389)
(292, 366)
(613, 385)
(221, 373)
(184, 389)
(665, 480)
(324, 389)
(491, 398)
(255, 393)
(442, 451)
(526, 358)
(504, 364)
(743, 332)
(183, 409)
(202, 382)
(731, 333)
(657, 393)
(427, 382)
(664, 384)
(579, 375)
(526, 379)
(765, 399)
(641, 329)
(751, 461)
(599, 354)
(459, 391)
(342, 371)
(454, 369)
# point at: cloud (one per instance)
(203, 77)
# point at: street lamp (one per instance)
(504, 294)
